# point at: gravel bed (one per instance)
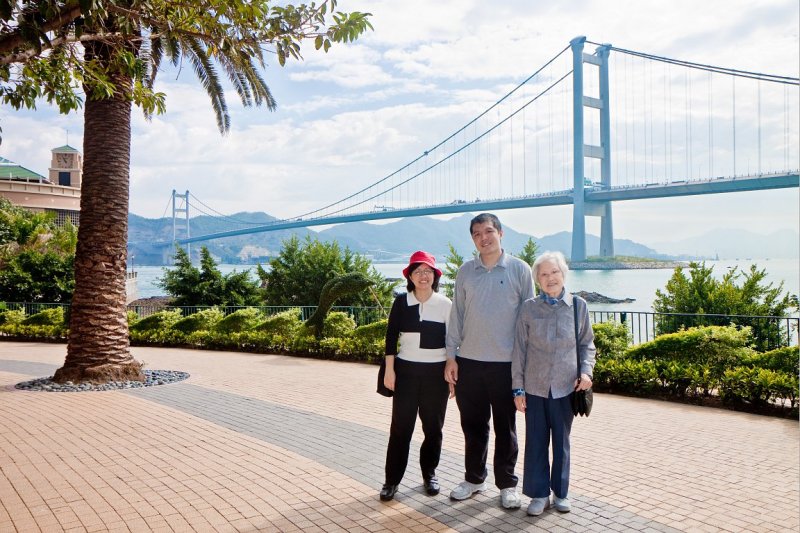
(152, 378)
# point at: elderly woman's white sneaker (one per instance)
(562, 505)
(538, 505)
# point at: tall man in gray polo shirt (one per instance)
(480, 338)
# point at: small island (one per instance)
(623, 262)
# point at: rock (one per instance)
(593, 297)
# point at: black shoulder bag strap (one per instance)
(575, 314)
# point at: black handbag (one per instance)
(581, 400)
(382, 389)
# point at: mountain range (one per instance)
(394, 241)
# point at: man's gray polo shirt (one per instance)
(484, 311)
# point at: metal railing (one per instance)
(644, 326)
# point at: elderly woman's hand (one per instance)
(584, 383)
(519, 402)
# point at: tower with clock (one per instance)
(66, 166)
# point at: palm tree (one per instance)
(123, 45)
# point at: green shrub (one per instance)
(241, 320)
(33, 331)
(201, 320)
(133, 316)
(720, 347)
(374, 332)
(285, 323)
(611, 338)
(53, 316)
(626, 375)
(783, 360)
(11, 316)
(338, 324)
(747, 385)
(162, 320)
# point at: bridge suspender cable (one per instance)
(512, 91)
(773, 78)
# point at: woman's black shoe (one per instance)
(388, 492)
(432, 486)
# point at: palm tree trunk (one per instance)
(98, 348)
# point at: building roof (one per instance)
(12, 171)
(63, 149)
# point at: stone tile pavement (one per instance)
(274, 443)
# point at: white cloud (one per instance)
(361, 111)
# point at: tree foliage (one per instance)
(42, 42)
(190, 286)
(739, 292)
(452, 262)
(302, 268)
(36, 256)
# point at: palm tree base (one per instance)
(100, 373)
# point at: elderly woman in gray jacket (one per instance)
(544, 374)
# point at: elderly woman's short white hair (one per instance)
(550, 257)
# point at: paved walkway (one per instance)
(275, 443)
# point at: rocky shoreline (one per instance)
(618, 265)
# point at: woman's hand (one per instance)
(584, 383)
(389, 378)
(519, 401)
(452, 390)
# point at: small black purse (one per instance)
(382, 389)
(581, 400)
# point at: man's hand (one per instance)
(451, 371)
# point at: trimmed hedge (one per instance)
(697, 364)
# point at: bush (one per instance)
(720, 347)
(11, 316)
(375, 332)
(782, 360)
(201, 320)
(241, 320)
(285, 323)
(626, 375)
(611, 339)
(338, 324)
(133, 316)
(162, 320)
(53, 316)
(755, 386)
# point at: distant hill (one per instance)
(737, 243)
(393, 241)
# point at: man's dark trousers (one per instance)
(484, 389)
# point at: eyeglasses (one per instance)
(423, 272)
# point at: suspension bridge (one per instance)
(588, 128)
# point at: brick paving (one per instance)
(274, 443)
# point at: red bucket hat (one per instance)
(422, 257)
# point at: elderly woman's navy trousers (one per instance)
(546, 418)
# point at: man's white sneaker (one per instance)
(509, 498)
(538, 505)
(561, 504)
(465, 489)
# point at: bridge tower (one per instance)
(181, 224)
(581, 209)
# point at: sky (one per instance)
(349, 117)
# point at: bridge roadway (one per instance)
(564, 197)
(255, 442)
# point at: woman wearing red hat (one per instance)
(415, 359)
